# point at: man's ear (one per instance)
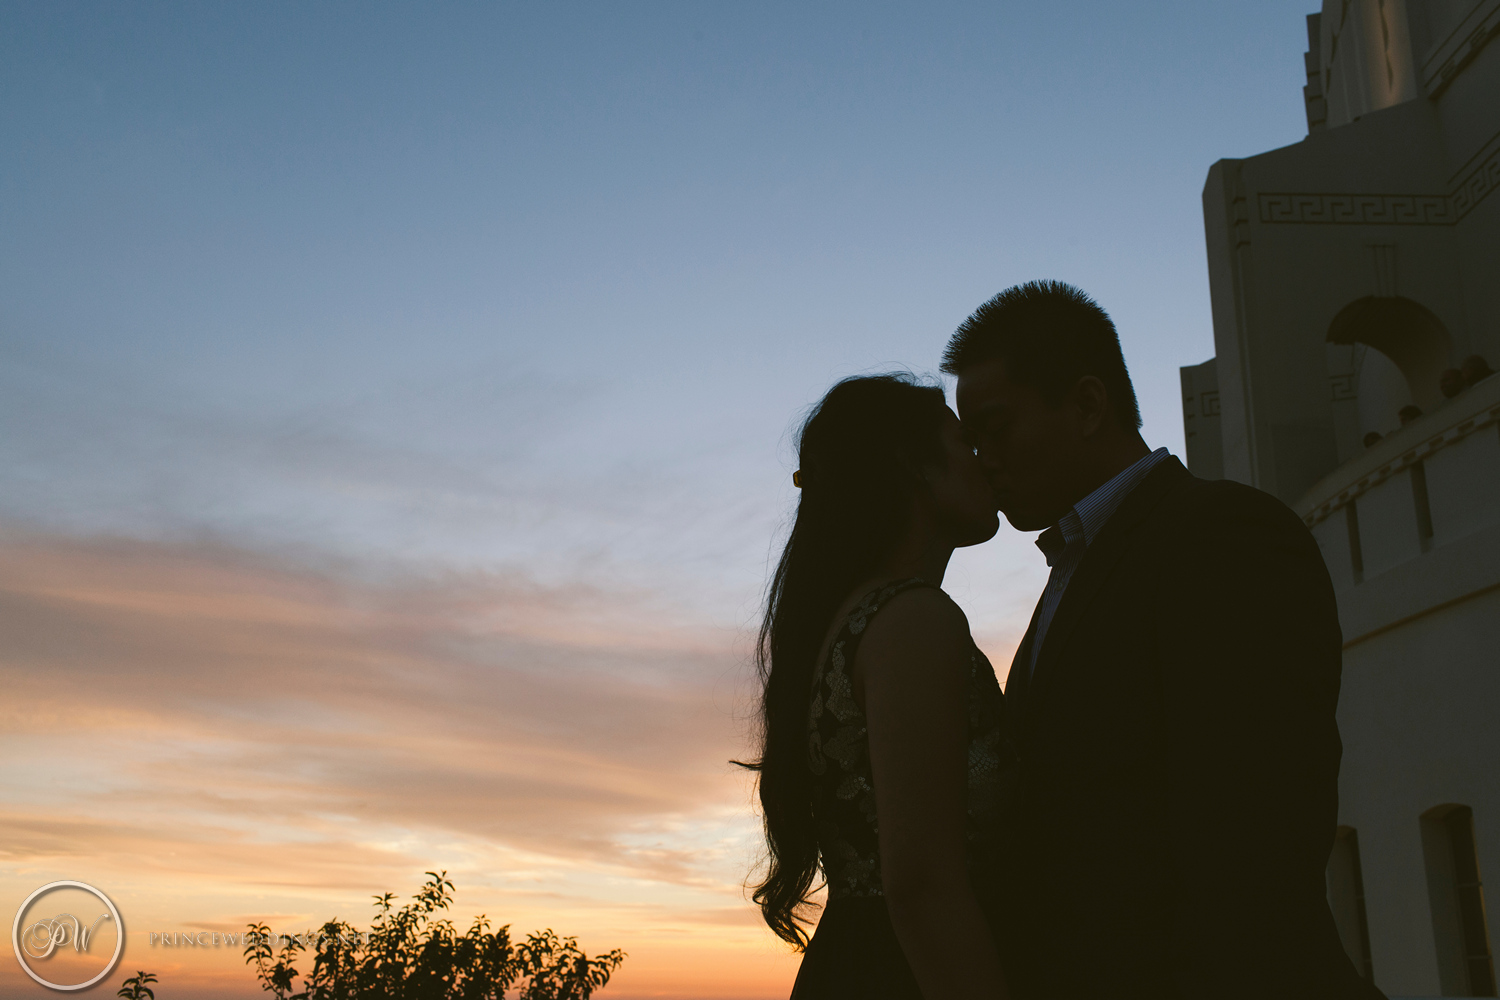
(1092, 400)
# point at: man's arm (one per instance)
(1251, 656)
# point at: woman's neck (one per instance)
(920, 554)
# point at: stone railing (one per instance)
(1390, 522)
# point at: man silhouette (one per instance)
(1172, 703)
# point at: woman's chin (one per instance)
(1025, 520)
(981, 533)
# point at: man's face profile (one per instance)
(1026, 445)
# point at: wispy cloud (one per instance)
(474, 466)
(236, 723)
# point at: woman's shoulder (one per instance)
(918, 616)
(899, 599)
(916, 597)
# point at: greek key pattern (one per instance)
(1384, 209)
(1358, 209)
(1437, 80)
(1477, 185)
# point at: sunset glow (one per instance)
(215, 740)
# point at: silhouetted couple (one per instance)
(1148, 809)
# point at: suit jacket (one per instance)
(1176, 790)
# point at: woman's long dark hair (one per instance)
(859, 453)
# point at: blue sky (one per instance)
(294, 270)
(403, 296)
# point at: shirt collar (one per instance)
(1087, 518)
(1052, 544)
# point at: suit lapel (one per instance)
(1097, 563)
(1019, 678)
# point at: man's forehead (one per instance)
(983, 387)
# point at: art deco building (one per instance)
(1355, 281)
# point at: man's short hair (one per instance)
(1050, 335)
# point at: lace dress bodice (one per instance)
(838, 755)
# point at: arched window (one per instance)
(1384, 354)
(1459, 928)
(1405, 332)
(1369, 391)
(1346, 898)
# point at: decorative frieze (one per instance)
(1327, 208)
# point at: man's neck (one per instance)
(1122, 456)
(1109, 463)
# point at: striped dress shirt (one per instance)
(1066, 541)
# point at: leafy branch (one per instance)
(415, 953)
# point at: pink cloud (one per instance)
(219, 723)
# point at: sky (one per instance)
(397, 401)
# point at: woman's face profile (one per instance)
(962, 497)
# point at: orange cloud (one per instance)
(224, 736)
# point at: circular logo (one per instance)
(60, 945)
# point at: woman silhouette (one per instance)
(882, 746)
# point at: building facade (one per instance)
(1355, 281)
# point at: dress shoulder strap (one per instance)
(870, 604)
(832, 668)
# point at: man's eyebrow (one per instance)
(984, 411)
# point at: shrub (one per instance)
(412, 954)
(136, 988)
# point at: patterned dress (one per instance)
(855, 952)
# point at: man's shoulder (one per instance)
(1218, 499)
(1224, 509)
(1173, 510)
